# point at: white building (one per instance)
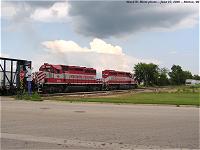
(191, 82)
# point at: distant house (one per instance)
(191, 82)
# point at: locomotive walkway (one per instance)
(60, 125)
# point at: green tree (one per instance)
(187, 75)
(162, 78)
(178, 76)
(146, 73)
(196, 77)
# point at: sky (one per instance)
(101, 34)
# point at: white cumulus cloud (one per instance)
(96, 46)
(100, 55)
(99, 46)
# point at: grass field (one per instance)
(144, 98)
(179, 95)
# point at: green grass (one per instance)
(26, 96)
(152, 98)
(175, 95)
(175, 98)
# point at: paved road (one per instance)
(61, 125)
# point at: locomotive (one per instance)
(62, 78)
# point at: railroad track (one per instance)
(93, 93)
(72, 93)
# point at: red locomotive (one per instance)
(113, 80)
(61, 78)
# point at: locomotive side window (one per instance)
(113, 73)
(120, 73)
(93, 71)
(51, 70)
(78, 69)
(87, 71)
(65, 68)
(75, 69)
(48, 69)
(57, 71)
(128, 75)
(90, 71)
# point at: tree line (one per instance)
(150, 74)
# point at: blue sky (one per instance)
(41, 37)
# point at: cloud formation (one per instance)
(99, 55)
(96, 46)
(105, 19)
(22, 11)
(57, 12)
